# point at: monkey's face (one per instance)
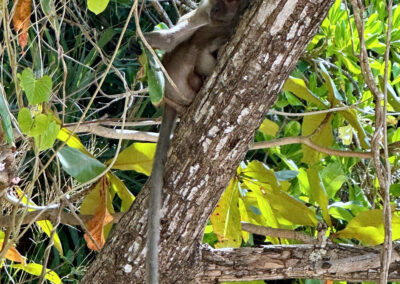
(224, 10)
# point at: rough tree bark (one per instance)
(211, 141)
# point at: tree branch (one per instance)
(331, 262)
(278, 233)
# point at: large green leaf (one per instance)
(155, 79)
(25, 120)
(79, 165)
(37, 90)
(47, 139)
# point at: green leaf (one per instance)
(5, 120)
(368, 228)
(79, 165)
(340, 213)
(395, 190)
(97, 6)
(36, 269)
(25, 120)
(226, 218)
(333, 92)
(333, 178)
(137, 157)
(155, 79)
(293, 128)
(37, 91)
(286, 175)
(40, 125)
(47, 139)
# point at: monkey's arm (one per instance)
(169, 39)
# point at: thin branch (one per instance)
(161, 12)
(278, 233)
(116, 133)
(306, 140)
(314, 112)
(51, 214)
(382, 170)
(387, 212)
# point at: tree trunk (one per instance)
(211, 140)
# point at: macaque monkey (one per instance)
(190, 48)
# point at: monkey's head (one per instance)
(225, 10)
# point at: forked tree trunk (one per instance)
(211, 140)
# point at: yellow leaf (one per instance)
(351, 116)
(368, 228)
(100, 218)
(258, 171)
(36, 269)
(269, 127)
(138, 157)
(45, 225)
(73, 141)
(226, 218)
(244, 216)
(346, 134)
(299, 88)
(286, 209)
(318, 193)
(323, 137)
(120, 188)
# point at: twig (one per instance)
(117, 133)
(314, 112)
(278, 233)
(306, 140)
(161, 12)
(50, 214)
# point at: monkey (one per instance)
(190, 46)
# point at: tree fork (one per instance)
(211, 140)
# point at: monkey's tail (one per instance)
(156, 186)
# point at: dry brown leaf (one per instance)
(21, 20)
(100, 218)
(13, 255)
